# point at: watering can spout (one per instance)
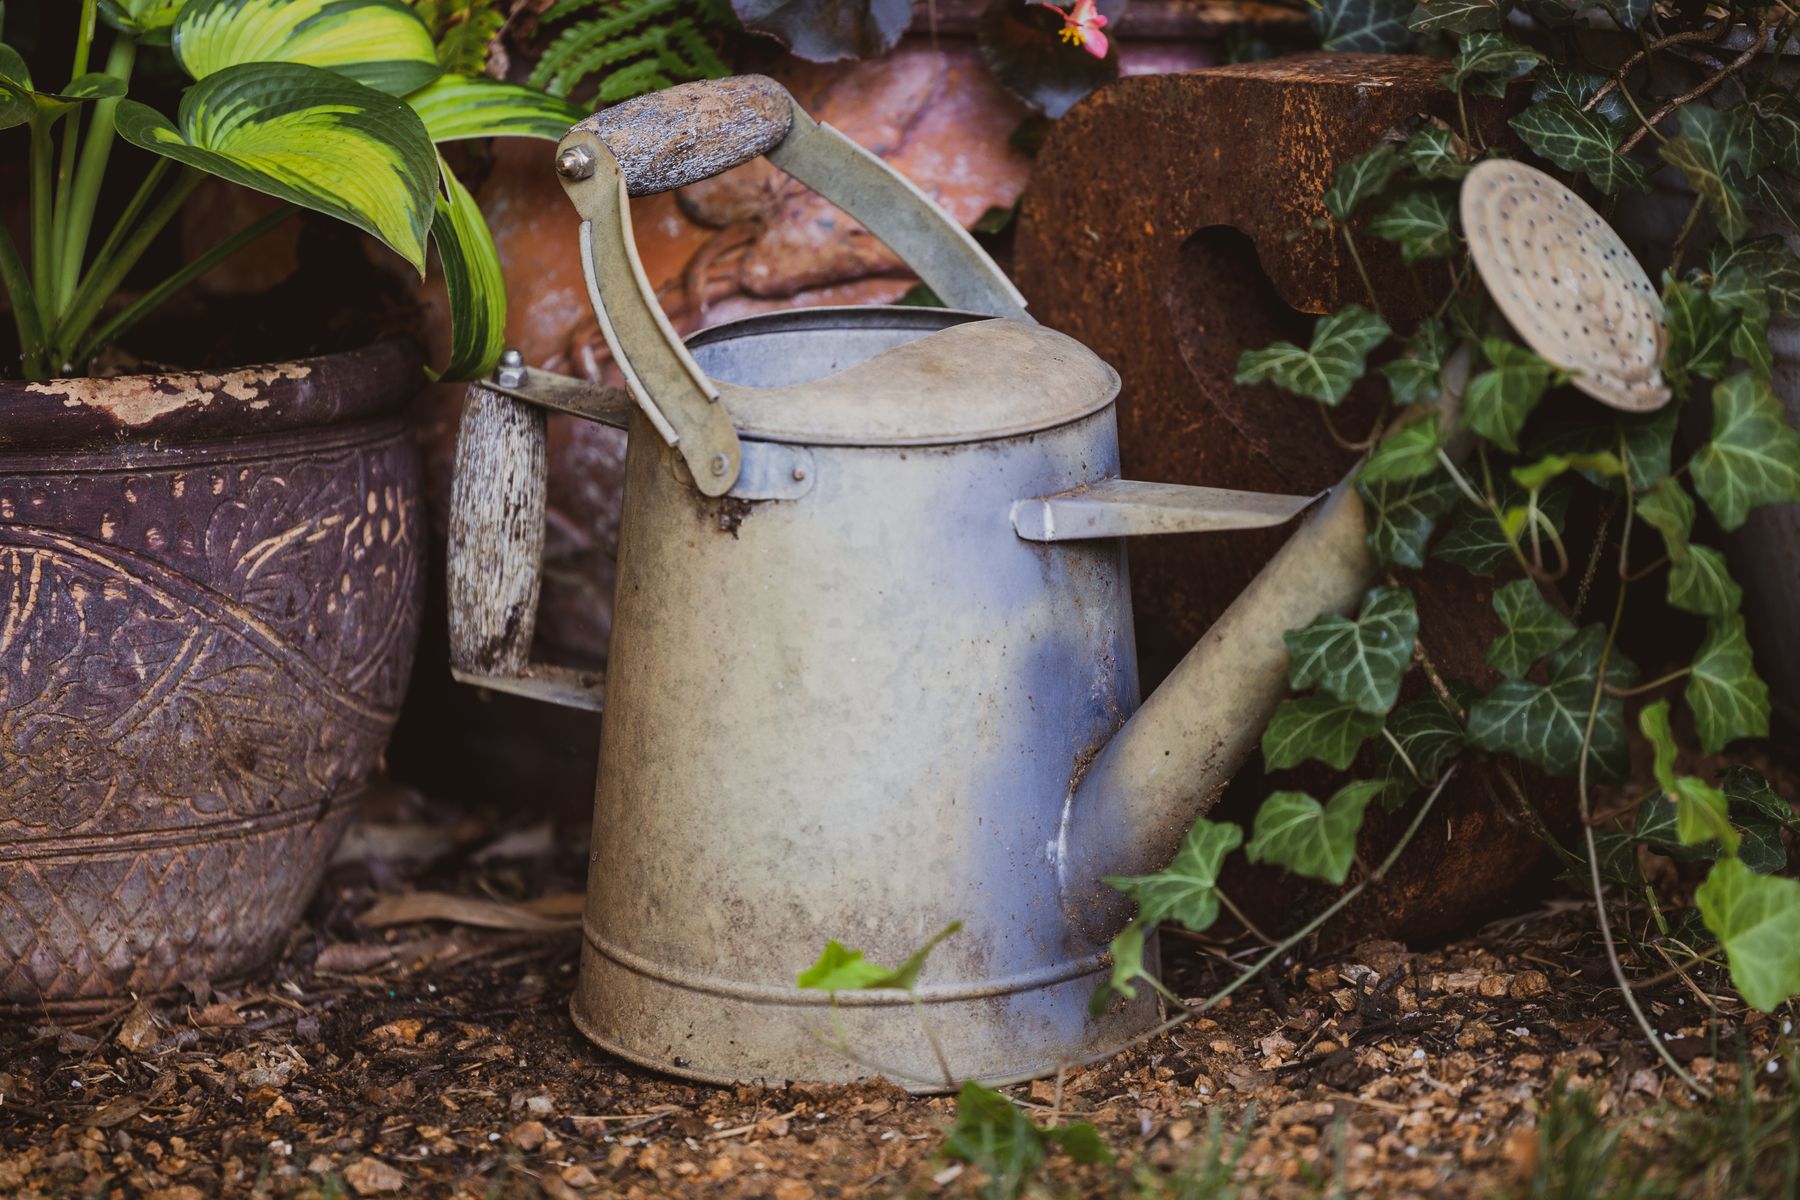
(1170, 762)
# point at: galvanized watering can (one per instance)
(872, 666)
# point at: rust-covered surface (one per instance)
(203, 646)
(1170, 260)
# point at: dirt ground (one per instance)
(385, 1054)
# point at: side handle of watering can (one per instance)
(685, 134)
(496, 543)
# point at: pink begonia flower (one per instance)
(1081, 26)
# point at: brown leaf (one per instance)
(140, 1028)
(217, 1016)
(114, 1112)
(370, 1176)
(468, 910)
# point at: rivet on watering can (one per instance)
(719, 464)
(577, 162)
(799, 474)
(512, 369)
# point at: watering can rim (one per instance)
(970, 378)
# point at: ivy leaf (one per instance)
(1429, 734)
(1535, 476)
(1361, 661)
(840, 969)
(1556, 79)
(1436, 152)
(1774, 133)
(1500, 398)
(1544, 725)
(1316, 726)
(1580, 142)
(1411, 449)
(1751, 796)
(1708, 153)
(1370, 26)
(1403, 513)
(1698, 579)
(1750, 342)
(1421, 223)
(1455, 16)
(1757, 920)
(1327, 368)
(1700, 809)
(1533, 628)
(1756, 275)
(1729, 699)
(1475, 541)
(1754, 455)
(1319, 841)
(1772, 194)
(1649, 441)
(1360, 179)
(1413, 377)
(1699, 331)
(1127, 949)
(1185, 891)
(1488, 62)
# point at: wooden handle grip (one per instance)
(496, 533)
(684, 134)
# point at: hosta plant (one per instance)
(1565, 700)
(338, 106)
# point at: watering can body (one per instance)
(871, 654)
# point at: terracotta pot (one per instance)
(211, 591)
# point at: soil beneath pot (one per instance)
(414, 1040)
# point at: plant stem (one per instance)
(41, 210)
(1356, 257)
(1629, 65)
(65, 171)
(1404, 756)
(1641, 688)
(1702, 88)
(1681, 238)
(199, 265)
(24, 306)
(107, 276)
(89, 174)
(128, 218)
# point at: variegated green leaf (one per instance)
(1758, 275)
(1425, 734)
(1754, 455)
(1729, 700)
(1475, 540)
(21, 102)
(1545, 724)
(1413, 376)
(1774, 131)
(1402, 514)
(1500, 398)
(1326, 368)
(1422, 223)
(1185, 891)
(1578, 87)
(1370, 26)
(1409, 449)
(1358, 661)
(460, 106)
(1709, 153)
(1487, 62)
(381, 43)
(1359, 179)
(1579, 141)
(1698, 579)
(1295, 831)
(1435, 152)
(1533, 628)
(1455, 16)
(474, 280)
(145, 20)
(1316, 726)
(305, 135)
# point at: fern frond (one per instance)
(633, 80)
(700, 60)
(647, 44)
(582, 38)
(607, 54)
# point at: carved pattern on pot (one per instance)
(202, 651)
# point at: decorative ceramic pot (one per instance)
(210, 588)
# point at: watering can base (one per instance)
(1000, 1033)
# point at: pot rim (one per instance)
(185, 406)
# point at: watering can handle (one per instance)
(692, 132)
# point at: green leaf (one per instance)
(991, 1133)
(1754, 455)
(1326, 369)
(843, 970)
(1360, 179)
(1431, 737)
(1410, 449)
(1127, 950)
(1757, 920)
(1649, 442)
(1699, 331)
(1700, 809)
(145, 20)
(1728, 698)
(1455, 16)
(1488, 62)
(1533, 628)
(1535, 476)
(1580, 142)
(1544, 725)
(1499, 399)
(1435, 152)
(1756, 275)
(1185, 891)
(379, 43)
(1421, 223)
(1752, 799)
(1359, 662)
(460, 106)
(1369, 26)
(1316, 726)
(1709, 153)
(474, 280)
(1402, 514)
(309, 136)
(1081, 1142)
(1476, 542)
(1750, 342)
(20, 102)
(1555, 79)
(1413, 378)
(1698, 579)
(1774, 133)
(1319, 841)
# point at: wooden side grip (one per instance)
(496, 534)
(684, 134)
